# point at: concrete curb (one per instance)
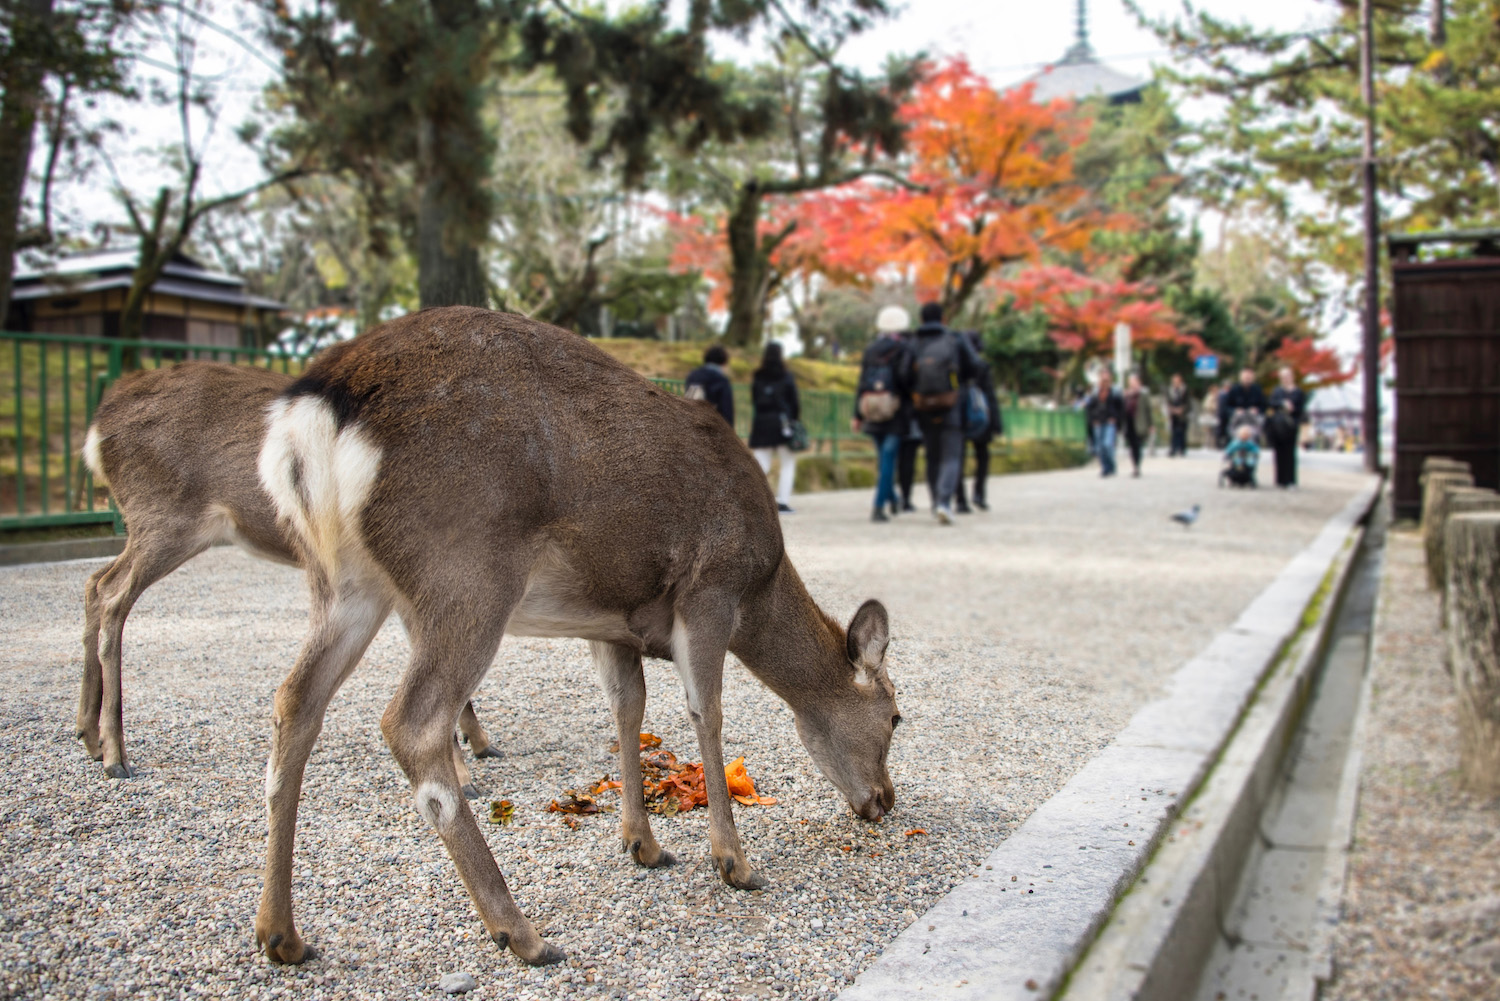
(61, 550)
(1020, 924)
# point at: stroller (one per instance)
(1242, 455)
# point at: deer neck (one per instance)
(786, 640)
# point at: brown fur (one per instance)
(178, 447)
(528, 482)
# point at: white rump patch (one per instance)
(437, 803)
(92, 457)
(317, 476)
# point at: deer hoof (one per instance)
(739, 876)
(487, 752)
(91, 744)
(540, 954)
(662, 859)
(289, 950)
(120, 771)
(471, 791)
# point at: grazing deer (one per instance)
(178, 447)
(485, 474)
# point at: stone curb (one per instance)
(1018, 926)
(61, 550)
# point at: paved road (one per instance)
(1023, 640)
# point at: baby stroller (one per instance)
(1242, 455)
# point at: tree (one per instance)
(989, 183)
(163, 225)
(1288, 135)
(1271, 290)
(1315, 366)
(74, 47)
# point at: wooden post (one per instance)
(1473, 546)
(1440, 504)
(1439, 464)
(1432, 485)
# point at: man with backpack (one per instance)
(940, 363)
(882, 405)
(710, 383)
(982, 424)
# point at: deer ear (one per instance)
(869, 634)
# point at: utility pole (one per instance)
(1371, 353)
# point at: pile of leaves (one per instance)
(674, 787)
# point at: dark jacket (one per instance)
(985, 381)
(1292, 402)
(1178, 399)
(774, 398)
(1242, 397)
(968, 368)
(716, 389)
(1103, 409)
(886, 352)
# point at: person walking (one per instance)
(773, 395)
(1138, 420)
(1177, 415)
(982, 436)
(710, 383)
(1105, 410)
(882, 405)
(1288, 409)
(906, 460)
(940, 362)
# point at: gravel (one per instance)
(1023, 639)
(1422, 904)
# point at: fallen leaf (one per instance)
(846, 848)
(915, 831)
(575, 802)
(648, 741)
(604, 785)
(502, 811)
(572, 823)
(1031, 985)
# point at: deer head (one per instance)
(848, 732)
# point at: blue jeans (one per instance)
(888, 446)
(1105, 436)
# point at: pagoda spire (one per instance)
(1081, 51)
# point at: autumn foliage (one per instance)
(1083, 311)
(1315, 366)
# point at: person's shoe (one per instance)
(1136, 474)
(943, 514)
(907, 507)
(784, 508)
(962, 508)
(880, 515)
(979, 502)
(895, 508)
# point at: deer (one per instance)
(178, 448)
(486, 474)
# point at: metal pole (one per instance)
(1372, 247)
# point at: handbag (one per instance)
(795, 433)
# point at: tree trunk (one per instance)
(749, 266)
(18, 107)
(448, 268)
(1439, 504)
(1473, 546)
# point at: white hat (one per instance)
(892, 319)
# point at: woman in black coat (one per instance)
(773, 395)
(1287, 412)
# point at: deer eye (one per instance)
(895, 720)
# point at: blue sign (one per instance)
(1206, 366)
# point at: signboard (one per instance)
(1206, 366)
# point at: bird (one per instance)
(1186, 518)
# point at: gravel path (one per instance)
(1023, 640)
(1422, 905)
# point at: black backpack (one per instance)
(936, 367)
(878, 401)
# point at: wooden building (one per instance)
(1446, 320)
(84, 293)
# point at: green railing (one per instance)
(51, 385)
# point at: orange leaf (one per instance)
(915, 831)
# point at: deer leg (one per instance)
(142, 564)
(479, 741)
(624, 681)
(342, 627)
(700, 639)
(418, 726)
(465, 778)
(91, 691)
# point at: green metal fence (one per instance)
(52, 383)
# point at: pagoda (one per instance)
(1079, 74)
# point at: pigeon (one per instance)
(1186, 518)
